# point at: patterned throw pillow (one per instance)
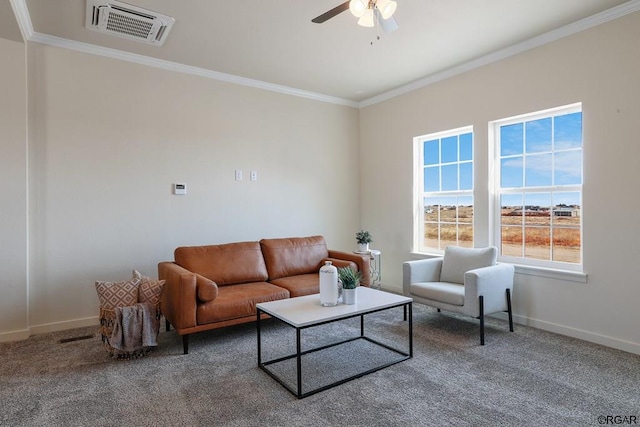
(150, 290)
(117, 294)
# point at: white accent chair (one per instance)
(465, 280)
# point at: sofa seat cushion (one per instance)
(225, 264)
(449, 293)
(300, 285)
(238, 301)
(293, 256)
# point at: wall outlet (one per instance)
(254, 175)
(238, 175)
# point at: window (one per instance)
(444, 190)
(539, 188)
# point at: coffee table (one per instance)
(306, 312)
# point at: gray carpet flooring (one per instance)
(526, 378)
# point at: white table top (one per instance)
(306, 310)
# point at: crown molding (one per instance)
(551, 36)
(21, 12)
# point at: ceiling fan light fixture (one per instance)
(387, 8)
(367, 12)
(358, 7)
(367, 20)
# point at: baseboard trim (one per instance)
(62, 326)
(49, 327)
(581, 334)
(15, 335)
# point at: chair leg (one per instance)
(481, 307)
(509, 310)
(185, 344)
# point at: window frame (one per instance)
(418, 185)
(496, 191)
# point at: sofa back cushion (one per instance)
(293, 256)
(225, 264)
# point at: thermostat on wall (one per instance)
(180, 189)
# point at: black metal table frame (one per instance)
(299, 353)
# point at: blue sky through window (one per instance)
(450, 149)
(541, 153)
(431, 152)
(466, 147)
(538, 136)
(448, 163)
(511, 139)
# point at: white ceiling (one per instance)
(275, 41)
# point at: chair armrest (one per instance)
(420, 270)
(179, 295)
(490, 282)
(362, 261)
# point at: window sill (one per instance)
(423, 255)
(551, 273)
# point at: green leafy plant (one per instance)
(349, 277)
(363, 237)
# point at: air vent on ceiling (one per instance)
(131, 22)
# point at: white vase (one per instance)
(363, 247)
(349, 296)
(328, 285)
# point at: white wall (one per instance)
(599, 67)
(13, 196)
(109, 138)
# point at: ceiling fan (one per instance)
(367, 11)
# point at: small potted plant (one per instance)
(363, 238)
(350, 280)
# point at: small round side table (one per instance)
(375, 267)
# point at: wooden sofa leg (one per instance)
(481, 302)
(167, 324)
(185, 344)
(438, 310)
(509, 310)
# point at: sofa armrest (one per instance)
(490, 282)
(362, 261)
(420, 270)
(179, 295)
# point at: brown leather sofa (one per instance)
(214, 286)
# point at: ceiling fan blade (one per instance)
(388, 25)
(331, 13)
